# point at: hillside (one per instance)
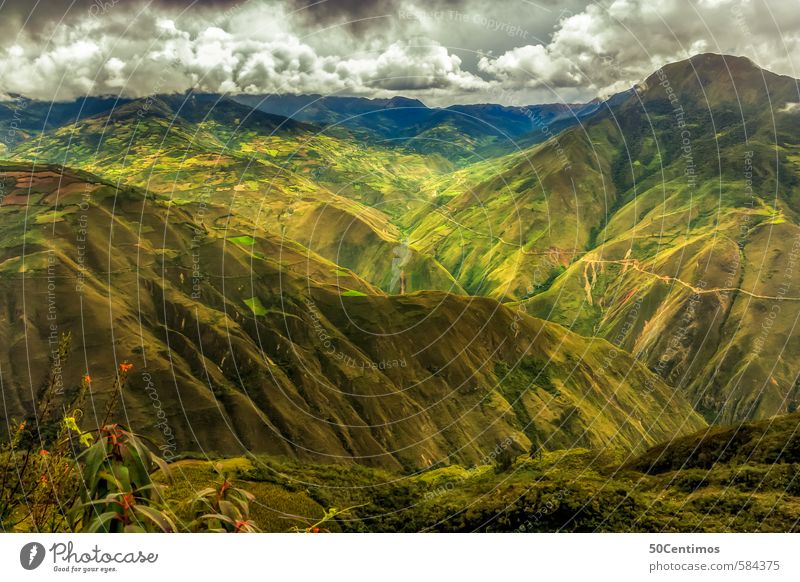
(741, 478)
(697, 258)
(666, 223)
(464, 134)
(331, 194)
(256, 344)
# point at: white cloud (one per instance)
(532, 66)
(606, 50)
(261, 48)
(217, 60)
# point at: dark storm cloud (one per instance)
(332, 11)
(61, 6)
(36, 15)
(358, 14)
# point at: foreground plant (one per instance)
(55, 476)
(119, 493)
(38, 474)
(223, 509)
(320, 526)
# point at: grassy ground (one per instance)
(687, 486)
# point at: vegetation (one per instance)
(590, 301)
(39, 475)
(575, 490)
(101, 480)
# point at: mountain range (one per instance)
(387, 284)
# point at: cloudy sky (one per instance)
(441, 51)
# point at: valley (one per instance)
(353, 303)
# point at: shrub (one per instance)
(38, 476)
(504, 459)
(224, 509)
(118, 493)
(55, 476)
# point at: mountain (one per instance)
(662, 221)
(472, 318)
(334, 195)
(666, 223)
(701, 241)
(363, 187)
(253, 344)
(384, 117)
(22, 119)
(462, 133)
(506, 227)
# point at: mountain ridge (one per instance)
(599, 228)
(294, 355)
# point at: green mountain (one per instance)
(665, 223)
(694, 262)
(255, 343)
(460, 133)
(582, 313)
(334, 195)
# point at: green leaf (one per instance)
(163, 466)
(122, 477)
(161, 520)
(138, 474)
(95, 455)
(228, 509)
(102, 522)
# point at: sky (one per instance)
(512, 52)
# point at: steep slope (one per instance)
(742, 478)
(506, 227)
(667, 222)
(771, 441)
(245, 344)
(694, 268)
(270, 171)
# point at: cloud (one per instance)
(38, 18)
(608, 49)
(451, 50)
(533, 66)
(404, 67)
(359, 15)
(161, 56)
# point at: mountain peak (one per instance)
(706, 66)
(716, 78)
(721, 62)
(400, 101)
